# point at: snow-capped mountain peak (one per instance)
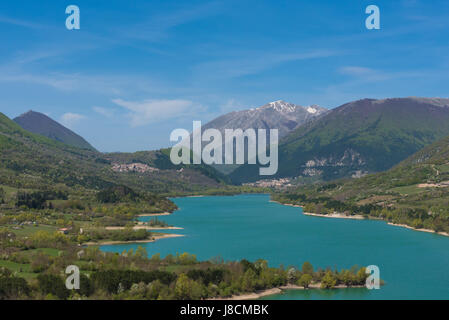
(280, 106)
(280, 115)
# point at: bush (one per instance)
(111, 280)
(13, 287)
(54, 285)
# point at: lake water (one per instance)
(414, 265)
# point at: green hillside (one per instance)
(33, 161)
(415, 192)
(359, 137)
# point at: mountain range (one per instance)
(317, 144)
(280, 115)
(356, 138)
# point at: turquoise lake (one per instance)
(414, 265)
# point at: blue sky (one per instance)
(137, 69)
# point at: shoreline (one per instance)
(140, 227)
(252, 296)
(287, 204)
(154, 214)
(415, 229)
(360, 217)
(154, 239)
(279, 290)
(336, 216)
(331, 215)
(191, 196)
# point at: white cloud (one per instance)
(362, 74)
(108, 113)
(149, 111)
(70, 119)
(158, 26)
(18, 22)
(77, 82)
(254, 63)
(61, 83)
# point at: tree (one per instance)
(348, 278)
(307, 268)
(13, 287)
(154, 289)
(117, 194)
(361, 276)
(291, 275)
(186, 258)
(417, 223)
(141, 252)
(249, 280)
(305, 280)
(309, 207)
(328, 281)
(86, 286)
(51, 284)
(183, 287)
(138, 290)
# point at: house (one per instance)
(64, 230)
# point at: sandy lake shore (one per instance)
(415, 229)
(253, 296)
(330, 215)
(154, 238)
(140, 227)
(335, 215)
(154, 214)
(272, 291)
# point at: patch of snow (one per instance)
(311, 110)
(282, 106)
